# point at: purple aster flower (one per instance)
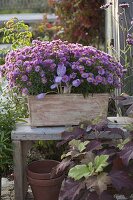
(124, 5)
(41, 96)
(84, 75)
(98, 79)
(76, 82)
(42, 74)
(80, 68)
(91, 75)
(89, 62)
(110, 80)
(29, 69)
(106, 5)
(73, 75)
(25, 91)
(61, 70)
(19, 62)
(58, 79)
(74, 65)
(37, 68)
(17, 71)
(129, 39)
(65, 78)
(90, 79)
(24, 78)
(26, 63)
(54, 86)
(53, 66)
(101, 71)
(44, 80)
(48, 62)
(95, 82)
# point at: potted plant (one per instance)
(69, 69)
(98, 168)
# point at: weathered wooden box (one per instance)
(66, 109)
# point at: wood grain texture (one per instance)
(61, 110)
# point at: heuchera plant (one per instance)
(96, 168)
(61, 67)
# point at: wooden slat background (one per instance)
(22, 4)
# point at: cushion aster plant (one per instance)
(61, 67)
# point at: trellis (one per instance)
(114, 36)
(22, 4)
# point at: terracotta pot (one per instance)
(43, 187)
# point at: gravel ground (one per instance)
(8, 190)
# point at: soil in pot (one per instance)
(43, 186)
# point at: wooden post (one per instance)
(128, 81)
(114, 35)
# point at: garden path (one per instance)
(8, 190)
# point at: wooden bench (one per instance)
(23, 138)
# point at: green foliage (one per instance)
(77, 144)
(100, 163)
(16, 33)
(93, 166)
(12, 109)
(5, 152)
(80, 171)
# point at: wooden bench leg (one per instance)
(26, 145)
(18, 170)
(19, 157)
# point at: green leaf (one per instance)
(100, 162)
(123, 142)
(77, 144)
(66, 155)
(80, 171)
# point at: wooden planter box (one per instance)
(66, 109)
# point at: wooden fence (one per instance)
(116, 36)
(22, 4)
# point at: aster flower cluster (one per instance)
(105, 6)
(129, 39)
(61, 67)
(124, 5)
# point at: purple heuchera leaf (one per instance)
(70, 189)
(127, 153)
(93, 145)
(121, 179)
(41, 96)
(61, 70)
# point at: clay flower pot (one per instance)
(44, 187)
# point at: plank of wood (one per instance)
(57, 110)
(24, 131)
(18, 170)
